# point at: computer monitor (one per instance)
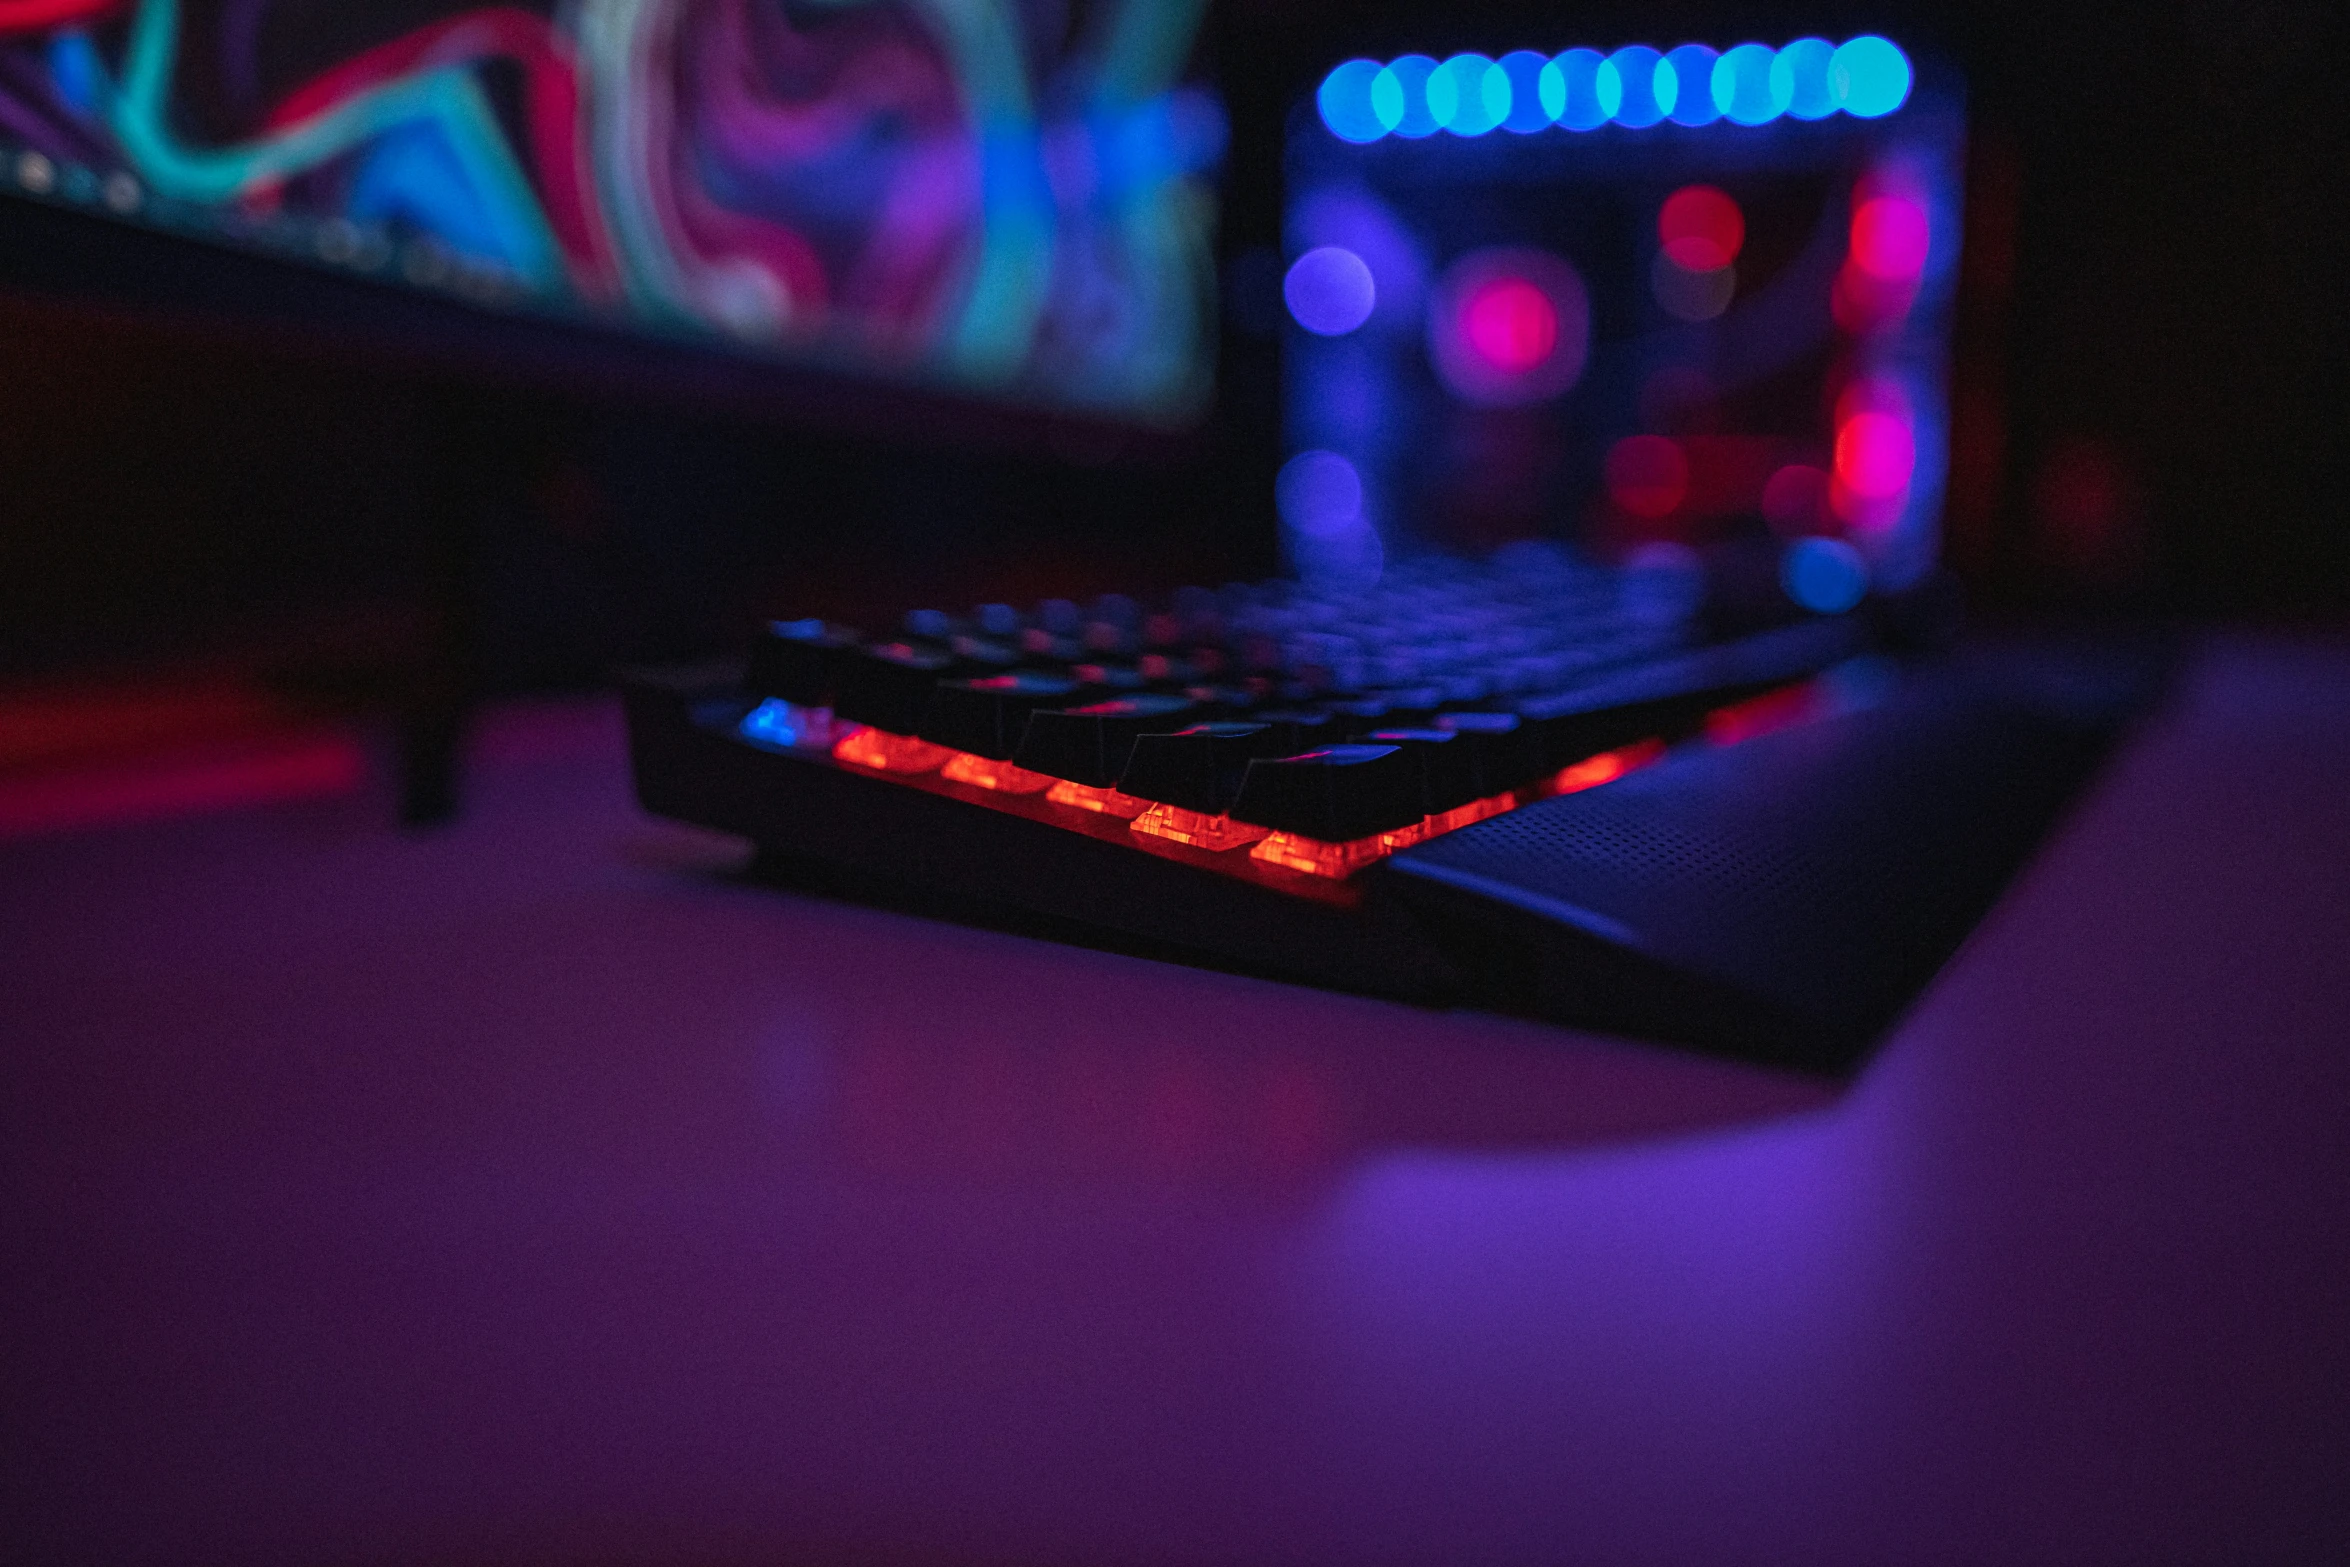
(1009, 205)
(1651, 301)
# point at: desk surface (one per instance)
(538, 1192)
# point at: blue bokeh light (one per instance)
(1404, 84)
(1330, 291)
(1693, 103)
(1468, 95)
(1345, 102)
(1387, 99)
(1319, 494)
(1799, 77)
(1743, 85)
(1869, 76)
(1580, 90)
(1826, 576)
(1529, 111)
(1641, 83)
(1750, 84)
(1639, 86)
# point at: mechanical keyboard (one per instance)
(1529, 783)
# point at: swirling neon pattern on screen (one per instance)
(922, 187)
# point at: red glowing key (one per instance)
(1087, 797)
(1199, 829)
(888, 753)
(1316, 858)
(987, 773)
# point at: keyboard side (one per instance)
(1013, 852)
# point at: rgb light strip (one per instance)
(1636, 87)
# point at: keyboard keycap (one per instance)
(1299, 729)
(1199, 768)
(1507, 752)
(1336, 794)
(1114, 679)
(977, 656)
(987, 717)
(1447, 766)
(888, 686)
(1043, 647)
(800, 661)
(1091, 744)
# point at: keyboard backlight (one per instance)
(783, 725)
(1765, 714)
(987, 773)
(888, 753)
(1470, 814)
(1088, 798)
(1196, 828)
(1316, 858)
(1606, 767)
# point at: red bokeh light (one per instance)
(1875, 454)
(1890, 237)
(1702, 229)
(1647, 475)
(1871, 394)
(1510, 324)
(1795, 499)
(2090, 509)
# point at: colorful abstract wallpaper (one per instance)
(1006, 197)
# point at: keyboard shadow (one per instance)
(1210, 1077)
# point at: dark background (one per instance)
(2149, 394)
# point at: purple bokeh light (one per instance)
(1330, 291)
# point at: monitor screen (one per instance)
(1010, 198)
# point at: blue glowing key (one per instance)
(1403, 86)
(1744, 86)
(1693, 103)
(1580, 90)
(1869, 76)
(774, 723)
(1345, 102)
(1641, 87)
(1799, 77)
(1529, 110)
